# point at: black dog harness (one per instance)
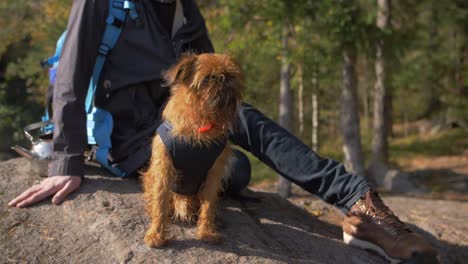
(192, 161)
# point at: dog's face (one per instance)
(213, 80)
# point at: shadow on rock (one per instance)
(274, 230)
(449, 253)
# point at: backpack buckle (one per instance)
(129, 6)
(114, 22)
(118, 4)
(103, 50)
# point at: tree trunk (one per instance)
(315, 113)
(430, 95)
(300, 99)
(354, 161)
(365, 96)
(389, 113)
(381, 97)
(285, 107)
(462, 64)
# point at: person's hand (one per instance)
(58, 186)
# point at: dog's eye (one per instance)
(209, 79)
(213, 78)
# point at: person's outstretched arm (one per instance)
(85, 28)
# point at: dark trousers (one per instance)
(291, 158)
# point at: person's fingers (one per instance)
(24, 195)
(59, 186)
(37, 196)
(64, 192)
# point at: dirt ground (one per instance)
(105, 222)
(458, 164)
(442, 177)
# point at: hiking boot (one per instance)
(370, 224)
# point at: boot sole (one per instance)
(352, 241)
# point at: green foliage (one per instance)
(346, 23)
(427, 62)
(29, 32)
(425, 48)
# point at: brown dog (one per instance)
(205, 96)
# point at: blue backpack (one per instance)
(99, 122)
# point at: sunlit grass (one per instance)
(450, 142)
(260, 171)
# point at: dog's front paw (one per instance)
(210, 237)
(153, 239)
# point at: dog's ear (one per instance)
(181, 71)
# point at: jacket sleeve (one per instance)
(201, 44)
(85, 28)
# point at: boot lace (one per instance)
(382, 215)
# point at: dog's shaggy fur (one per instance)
(206, 91)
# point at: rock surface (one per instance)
(105, 222)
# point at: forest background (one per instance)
(373, 83)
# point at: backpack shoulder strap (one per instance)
(53, 61)
(99, 122)
(118, 10)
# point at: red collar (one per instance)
(204, 128)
